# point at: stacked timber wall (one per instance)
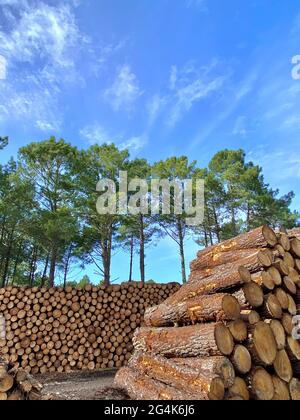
(228, 333)
(57, 330)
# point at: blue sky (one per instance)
(163, 77)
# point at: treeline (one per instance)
(49, 222)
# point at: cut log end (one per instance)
(238, 329)
(269, 235)
(281, 390)
(241, 360)
(254, 294)
(231, 307)
(272, 307)
(283, 367)
(239, 390)
(264, 343)
(279, 333)
(294, 388)
(224, 340)
(217, 390)
(244, 274)
(262, 385)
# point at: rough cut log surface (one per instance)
(218, 365)
(261, 384)
(221, 282)
(217, 259)
(239, 390)
(258, 238)
(193, 341)
(251, 262)
(202, 382)
(294, 387)
(279, 333)
(218, 307)
(283, 367)
(140, 387)
(281, 390)
(262, 344)
(241, 360)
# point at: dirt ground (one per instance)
(82, 386)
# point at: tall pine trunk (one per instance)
(7, 258)
(16, 264)
(106, 256)
(53, 259)
(66, 270)
(131, 259)
(142, 249)
(181, 250)
(44, 276)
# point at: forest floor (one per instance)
(96, 385)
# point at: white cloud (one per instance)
(3, 67)
(42, 33)
(125, 90)
(95, 133)
(156, 104)
(286, 162)
(134, 144)
(173, 77)
(190, 86)
(240, 127)
(41, 45)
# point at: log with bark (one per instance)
(197, 381)
(211, 308)
(141, 387)
(258, 238)
(200, 340)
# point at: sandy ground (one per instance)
(82, 386)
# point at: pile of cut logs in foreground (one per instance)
(57, 330)
(16, 384)
(228, 333)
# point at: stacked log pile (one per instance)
(16, 384)
(57, 330)
(228, 333)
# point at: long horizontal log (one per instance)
(217, 365)
(251, 262)
(210, 308)
(219, 283)
(141, 387)
(216, 259)
(207, 385)
(200, 340)
(257, 238)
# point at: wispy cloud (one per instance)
(41, 34)
(3, 68)
(134, 144)
(286, 162)
(201, 4)
(240, 127)
(125, 90)
(41, 45)
(189, 86)
(96, 133)
(154, 107)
